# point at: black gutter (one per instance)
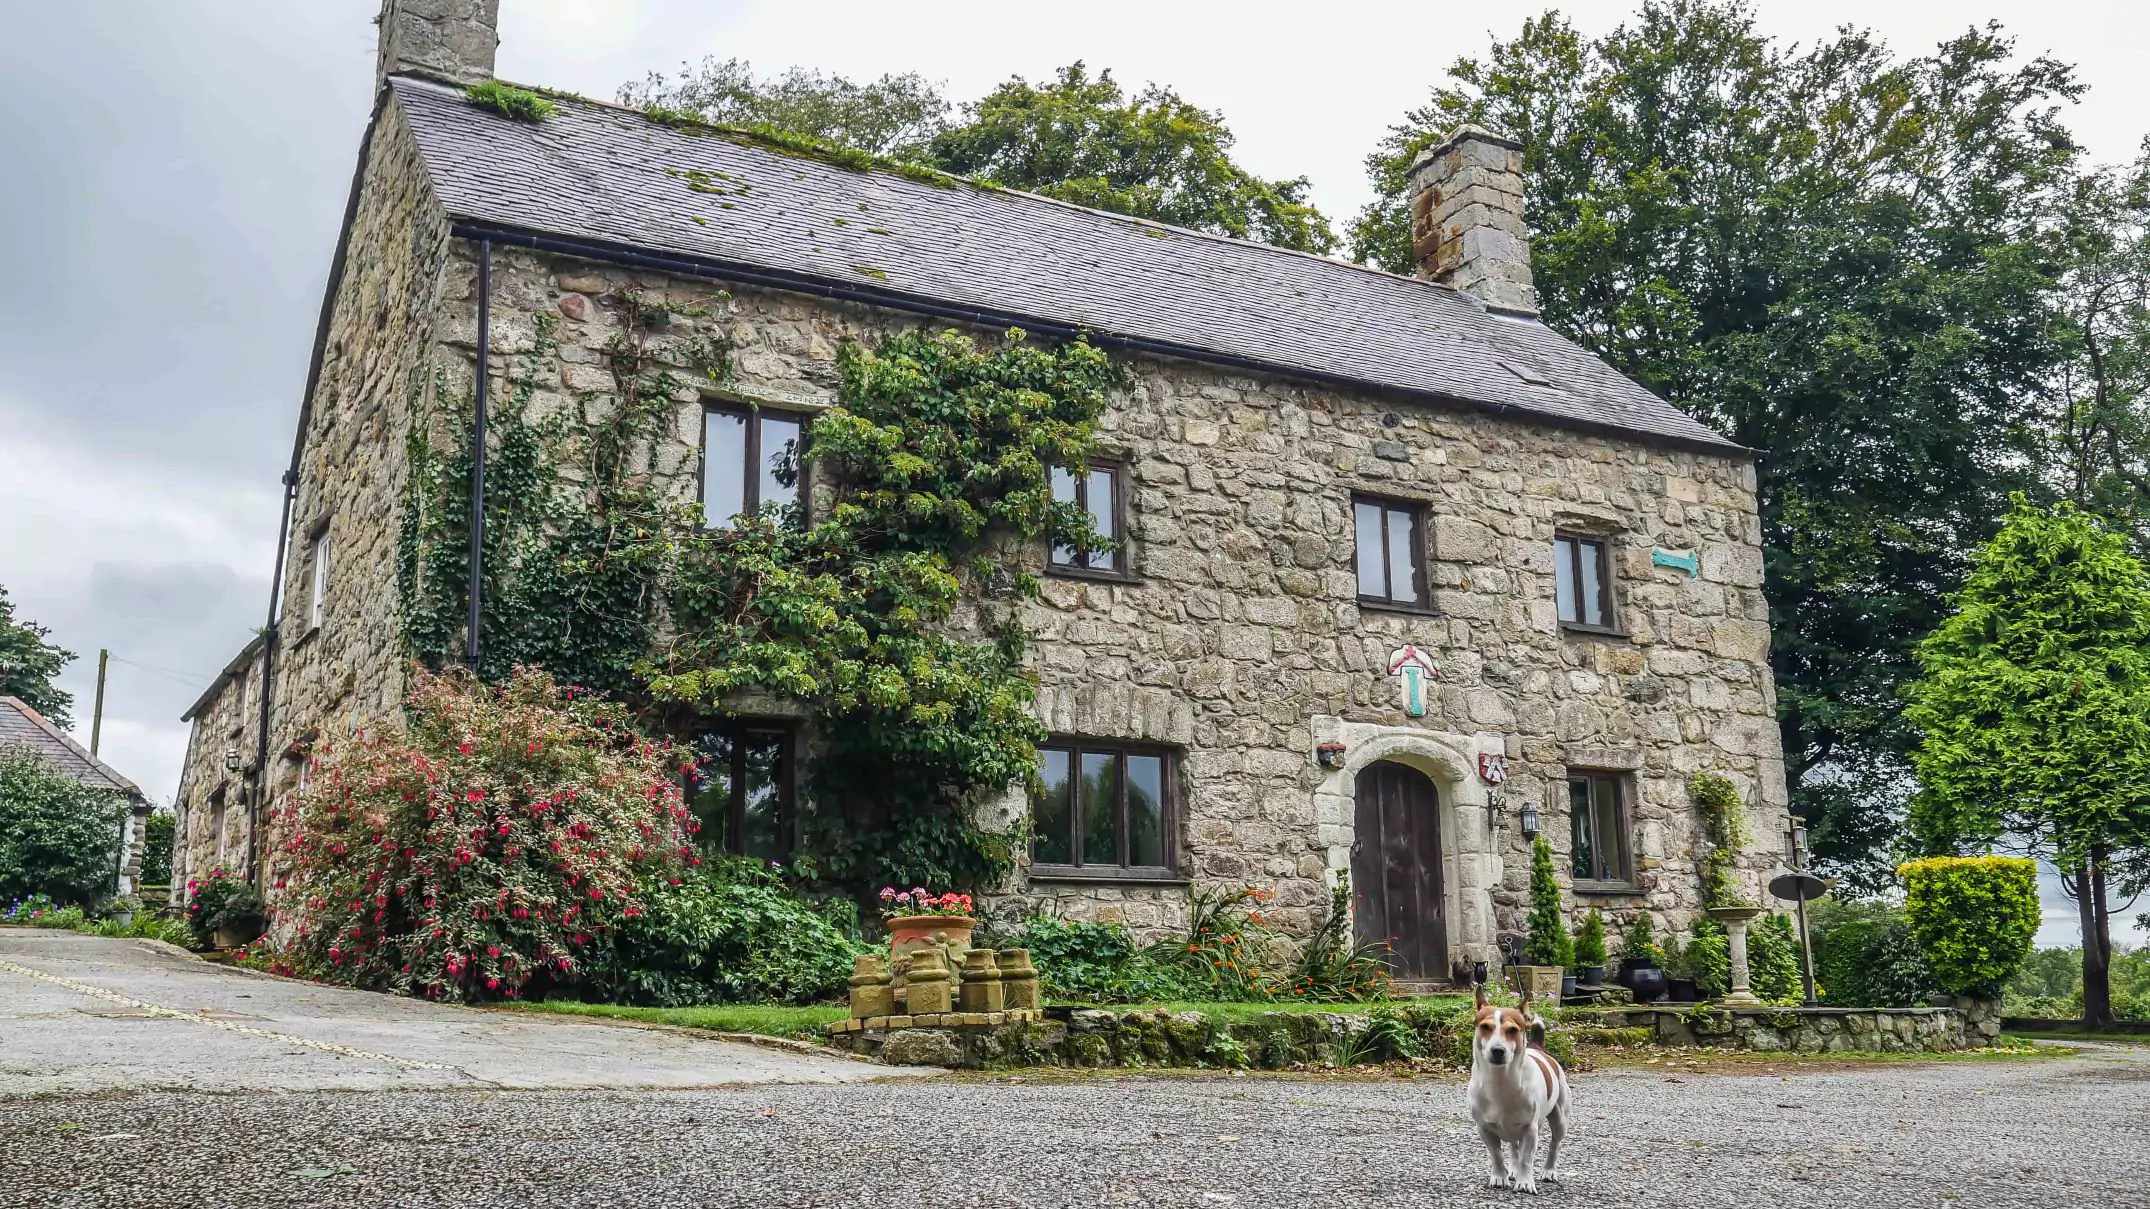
(477, 452)
(268, 673)
(801, 283)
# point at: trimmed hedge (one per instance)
(1973, 917)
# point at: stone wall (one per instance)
(225, 721)
(1803, 1030)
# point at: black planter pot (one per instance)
(1647, 982)
(1567, 986)
(1590, 976)
(1681, 990)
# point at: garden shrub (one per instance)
(486, 849)
(1590, 940)
(1639, 942)
(57, 837)
(729, 931)
(159, 834)
(1101, 963)
(1549, 943)
(221, 899)
(1864, 956)
(1332, 966)
(1974, 918)
(1772, 959)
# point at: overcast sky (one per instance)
(172, 173)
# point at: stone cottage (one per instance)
(1406, 577)
(23, 727)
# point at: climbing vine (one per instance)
(888, 613)
(1719, 802)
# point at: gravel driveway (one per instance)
(2052, 1133)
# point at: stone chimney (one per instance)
(1467, 218)
(446, 39)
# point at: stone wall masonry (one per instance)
(1241, 640)
(1803, 1030)
(226, 722)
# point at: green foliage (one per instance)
(487, 848)
(1974, 917)
(1639, 942)
(1100, 963)
(1590, 940)
(1836, 255)
(1548, 943)
(1725, 825)
(57, 836)
(1865, 956)
(892, 116)
(729, 931)
(1332, 965)
(1772, 959)
(938, 457)
(159, 834)
(221, 899)
(2035, 706)
(509, 101)
(28, 664)
(1153, 155)
(2098, 428)
(2055, 973)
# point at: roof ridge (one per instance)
(66, 740)
(989, 186)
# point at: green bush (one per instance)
(1864, 956)
(728, 931)
(1549, 943)
(1772, 960)
(221, 900)
(57, 837)
(1639, 942)
(1973, 917)
(1590, 940)
(158, 836)
(1333, 967)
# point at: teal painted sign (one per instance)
(1415, 674)
(1689, 562)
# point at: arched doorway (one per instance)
(1396, 868)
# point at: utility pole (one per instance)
(97, 712)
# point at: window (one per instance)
(1597, 811)
(750, 460)
(740, 790)
(1391, 564)
(1582, 581)
(216, 820)
(1096, 489)
(1103, 809)
(317, 608)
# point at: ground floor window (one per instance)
(1103, 808)
(740, 789)
(1597, 810)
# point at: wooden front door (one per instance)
(1396, 869)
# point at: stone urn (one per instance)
(1735, 921)
(908, 932)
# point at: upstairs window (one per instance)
(1098, 490)
(1389, 538)
(317, 556)
(1582, 581)
(1597, 811)
(751, 459)
(1103, 809)
(740, 790)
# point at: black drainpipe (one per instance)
(477, 452)
(268, 673)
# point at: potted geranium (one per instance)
(223, 911)
(919, 914)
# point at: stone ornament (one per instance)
(1415, 674)
(982, 990)
(926, 983)
(1019, 980)
(871, 991)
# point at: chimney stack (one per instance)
(1467, 218)
(447, 39)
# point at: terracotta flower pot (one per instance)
(906, 932)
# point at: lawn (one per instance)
(761, 1019)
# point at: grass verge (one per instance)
(802, 1023)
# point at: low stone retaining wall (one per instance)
(1081, 1037)
(1804, 1030)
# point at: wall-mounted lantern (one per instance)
(231, 759)
(1529, 817)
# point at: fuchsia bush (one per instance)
(486, 849)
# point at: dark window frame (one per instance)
(787, 813)
(1421, 581)
(1122, 568)
(1077, 746)
(750, 480)
(1622, 865)
(1576, 540)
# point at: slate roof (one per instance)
(22, 726)
(601, 174)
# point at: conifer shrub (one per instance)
(1549, 943)
(1590, 940)
(1974, 918)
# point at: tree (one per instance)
(2099, 430)
(57, 835)
(2034, 713)
(1836, 256)
(1154, 155)
(1548, 943)
(28, 663)
(894, 115)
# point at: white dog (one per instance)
(1514, 1086)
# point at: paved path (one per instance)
(88, 1014)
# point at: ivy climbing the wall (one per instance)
(1721, 808)
(888, 610)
